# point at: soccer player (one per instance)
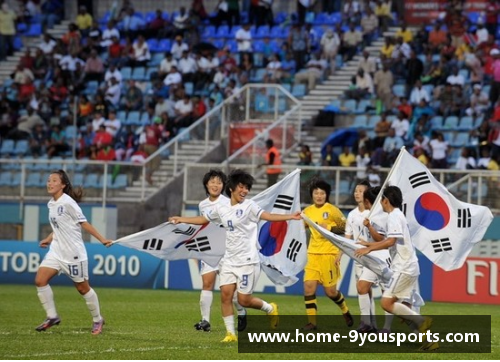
(404, 263)
(323, 258)
(214, 182)
(67, 252)
(356, 229)
(239, 268)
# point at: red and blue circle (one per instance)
(432, 212)
(272, 236)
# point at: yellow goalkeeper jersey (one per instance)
(335, 221)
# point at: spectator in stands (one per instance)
(40, 65)
(418, 93)
(414, 70)
(383, 82)
(420, 140)
(105, 153)
(184, 112)
(265, 11)
(166, 64)
(383, 13)
(52, 12)
(47, 44)
(478, 103)
(125, 144)
(158, 27)
(94, 68)
(367, 63)
(112, 72)
(178, 47)
(351, 40)
(363, 86)
(305, 155)
(85, 109)
(381, 130)
(113, 92)
(58, 93)
(314, 71)
(457, 25)
(362, 161)
(273, 70)
(405, 33)
(244, 39)
(401, 125)
(494, 140)
(38, 140)
(303, 8)
(164, 105)
(422, 109)
(420, 40)
(27, 60)
(455, 78)
(388, 47)
(112, 124)
(347, 158)
(273, 158)
(95, 34)
(369, 26)
(420, 154)
(97, 121)
(187, 67)
(108, 34)
(69, 66)
(25, 125)
(391, 147)
(140, 55)
(72, 39)
(439, 150)
(118, 55)
(7, 31)
(329, 44)
(133, 99)
(495, 83)
(181, 21)
(132, 24)
(437, 39)
(299, 43)
(83, 21)
(351, 11)
(330, 158)
(57, 144)
(405, 107)
(173, 79)
(101, 137)
(151, 140)
(465, 161)
(446, 100)
(492, 12)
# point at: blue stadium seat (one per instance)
(92, 181)
(461, 139)
(276, 32)
(287, 86)
(156, 59)
(349, 106)
(7, 147)
(126, 73)
(257, 46)
(262, 103)
(5, 178)
(360, 121)
(133, 118)
(139, 74)
(399, 90)
(258, 77)
(34, 30)
(21, 27)
(189, 88)
(232, 45)
(149, 16)
(436, 122)
(321, 19)
(372, 121)
(282, 106)
(299, 90)
(258, 59)
(164, 45)
(363, 104)
(208, 32)
(153, 45)
(183, 137)
(18, 43)
(144, 118)
(33, 179)
(344, 187)
(219, 43)
(263, 31)
(222, 31)
(466, 123)
(91, 87)
(78, 178)
(105, 18)
(21, 148)
(450, 123)
(120, 182)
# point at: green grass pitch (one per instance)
(158, 324)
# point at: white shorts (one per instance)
(245, 277)
(400, 286)
(363, 273)
(205, 268)
(78, 272)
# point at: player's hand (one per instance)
(362, 242)
(45, 243)
(360, 252)
(296, 215)
(366, 222)
(174, 219)
(107, 243)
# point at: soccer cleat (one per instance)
(202, 325)
(429, 346)
(348, 319)
(242, 322)
(309, 327)
(365, 328)
(230, 338)
(426, 325)
(97, 327)
(274, 316)
(47, 323)
(384, 330)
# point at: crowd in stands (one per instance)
(137, 79)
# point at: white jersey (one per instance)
(241, 224)
(206, 206)
(355, 228)
(65, 217)
(403, 255)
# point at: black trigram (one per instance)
(403, 208)
(419, 179)
(153, 244)
(293, 250)
(190, 231)
(464, 218)
(283, 202)
(440, 245)
(199, 244)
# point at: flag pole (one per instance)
(379, 196)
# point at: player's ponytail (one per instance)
(75, 193)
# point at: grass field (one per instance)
(158, 324)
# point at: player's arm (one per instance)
(267, 216)
(46, 242)
(337, 223)
(195, 220)
(93, 231)
(376, 236)
(384, 244)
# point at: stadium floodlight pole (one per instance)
(396, 164)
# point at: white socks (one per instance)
(206, 298)
(404, 312)
(239, 309)
(266, 307)
(388, 320)
(229, 323)
(365, 308)
(47, 299)
(373, 313)
(93, 305)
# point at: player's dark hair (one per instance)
(394, 195)
(363, 183)
(371, 193)
(214, 173)
(75, 193)
(321, 184)
(237, 177)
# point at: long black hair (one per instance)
(236, 177)
(75, 193)
(214, 173)
(394, 195)
(371, 193)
